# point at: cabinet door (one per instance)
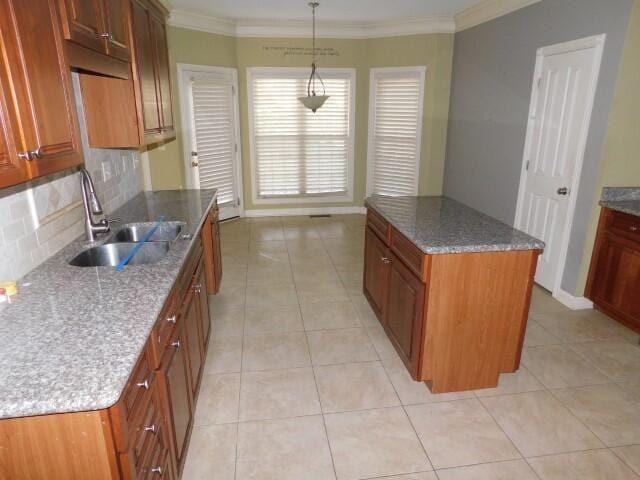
(161, 51)
(376, 272)
(144, 68)
(404, 313)
(217, 251)
(617, 278)
(83, 23)
(175, 376)
(191, 321)
(42, 103)
(116, 19)
(203, 301)
(12, 169)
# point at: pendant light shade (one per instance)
(313, 101)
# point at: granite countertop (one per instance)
(71, 338)
(622, 199)
(440, 225)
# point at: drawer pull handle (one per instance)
(171, 319)
(176, 344)
(633, 228)
(385, 260)
(151, 428)
(197, 288)
(157, 470)
(144, 384)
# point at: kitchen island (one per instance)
(100, 369)
(451, 287)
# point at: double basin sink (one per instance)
(120, 243)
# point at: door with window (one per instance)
(396, 97)
(212, 145)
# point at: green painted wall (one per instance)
(434, 50)
(620, 163)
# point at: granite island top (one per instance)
(440, 225)
(72, 336)
(622, 199)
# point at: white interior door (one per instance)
(212, 153)
(562, 100)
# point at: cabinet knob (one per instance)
(31, 154)
(385, 260)
(157, 470)
(176, 344)
(633, 228)
(171, 319)
(151, 428)
(197, 288)
(144, 384)
(108, 36)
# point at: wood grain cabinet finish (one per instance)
(40, 133)
(161, 58)
(212, 252)
(456, 320)
(614, 276)
(145, 435)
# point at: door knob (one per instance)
(563, 191)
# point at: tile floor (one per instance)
(302, 383)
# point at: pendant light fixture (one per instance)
(313, 101)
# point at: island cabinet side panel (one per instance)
(477, 308)
(64, 446)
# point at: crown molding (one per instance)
(302, 29)
(488, 10)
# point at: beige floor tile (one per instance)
(285, 449)
(581, 326)
(630, 455)
(510, 470)
(235, 275)
(632, 388)
(542, 302)
(212, 453)
(412, 392)
(273, 319)
(363, 308)
(518, 382)
(460, 433)
(263, 294)
(224, 355)
(329, 315)
(229, 296)
(538, 424)
(323, 295)
(558, 366)
(340, 346)
(354, 386)
(266, 233)
(410, 476)
(619, 360)
(260, 275)
(301, 232)
(278, 394)
(591, 465)
(381, 342)
(374, 443)
(536, 336)
(275, 350)
(228, 323)
(609, 412)
(218, 399)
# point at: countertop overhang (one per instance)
(621, 199)
(441, 225)
(72, 337)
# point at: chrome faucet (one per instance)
(91, 206)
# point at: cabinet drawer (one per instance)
(138, 389)
(189, 269)
(163, 329)
(406, 251)
(379, 225)
(627, 225)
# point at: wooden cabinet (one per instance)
(212, 252)
(376, 272)
(139, 110)
(40, 132)
(192, 321)
(203, 298)
(404, 313)
(98, 25)
(614, 276)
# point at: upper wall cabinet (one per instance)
(115, 108)
(98, 34)
(38, 124)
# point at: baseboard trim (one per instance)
(572, 302)
(286, 212)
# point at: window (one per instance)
(296, 154)
(395, 130)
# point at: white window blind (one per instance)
(297, 153)
(395, 128)
(214, 135)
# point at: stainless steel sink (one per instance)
(166, 232)
(110, 255)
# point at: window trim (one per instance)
(303, 72)
(422, 71)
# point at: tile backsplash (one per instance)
(38, 218)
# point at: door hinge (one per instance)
(233, 90)
(236, 147)
(238, 201)
(539, 81)
(527, 165)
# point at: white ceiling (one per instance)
(368, 11)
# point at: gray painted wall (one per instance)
(492, 77)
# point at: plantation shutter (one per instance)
(395, 130)
(214, 136)
(298, 153)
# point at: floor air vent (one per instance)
(320, 216)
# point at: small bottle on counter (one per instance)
(4, 298)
